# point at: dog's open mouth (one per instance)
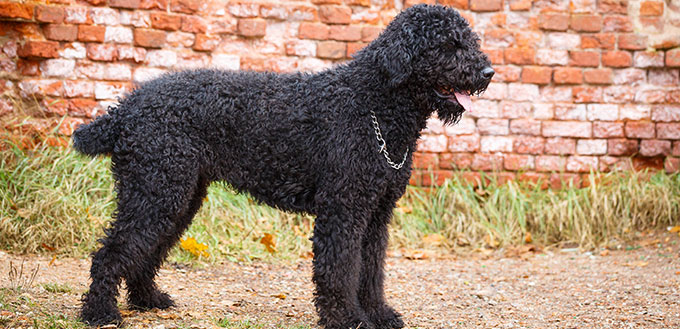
(463, 98)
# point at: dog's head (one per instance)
(432, 51)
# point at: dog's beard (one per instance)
(450, 115)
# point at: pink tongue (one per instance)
(464, 101)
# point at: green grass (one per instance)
(55, 200)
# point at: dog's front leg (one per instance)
(337, 264)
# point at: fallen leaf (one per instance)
(417, 254)
(528, 238)
(307, 255)
(168, 316)
(604, 252)
(491, 241)
(462, 241)
(194, 247)
(280, 296)
(636, 264)
(54, 258)
(47, 247)
(674, 229)
(268, 241)
(433, 239)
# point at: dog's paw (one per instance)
(157, 299)
(357, 322)
(386, 318)
(99, 317)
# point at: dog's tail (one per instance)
(97, 137)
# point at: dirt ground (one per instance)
(635, 287)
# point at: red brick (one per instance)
(455, 161)
(61, 32)
(534, 179)
(585, 94)
(676, 148)
(568, 75)
(518, 162)
(578, 163)
(617, 24)
(613, 6)
(96, 2)
(631, 41)
(651, 96)
(496, 58)
(651, 8)
(335, 14)
(185, 6)
(127, 4)
(668, 130)
(206, 42)
(194, 24)
(369, 33)
(598, 76)
(91, 33)
(520, 56)
(16, 10)
(314, 31)
(550, 163)
(674, 96)
(487, 162)
(536, 74)
(654, 147)
(617, 59)
(102, 52)
(639, 129)
(425, 160)
(163, 21)
(28, 67)
(560, 146)
(584, 58)
(252, 27)
(82, 107)
(586, 23)
(458, 4)
(648, 163)
(563, 180)
(666, 113)
(601, 40)
(672, 165)
(464, 143)
(553, 21)
(567, 129)
(673, 58)
(353, 47)
(507, 73)
(39, 49)
(49, 14)
(528, 144)
(344, 33)
(486, 5)
(149, 38)
(331, 49)
(525, 127)
(436, 177)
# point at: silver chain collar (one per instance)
(383, 145)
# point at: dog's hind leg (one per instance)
(143, 293)
(374, 245)
(151, 195)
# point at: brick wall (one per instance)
(580, 85)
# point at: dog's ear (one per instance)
(397, 54)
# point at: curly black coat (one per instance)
(299, 142)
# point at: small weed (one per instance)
(57, 287)
(240, 324)
(19, 280)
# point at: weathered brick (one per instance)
(495, 90)
(99, 71)
(600, 40)
(185, 6)
(344, 33)
(654, 147)
(629, 76)
(518, 162)
(591, 146)
(632, 41)
(102, 52)
(672, 165)
(507, 73)
(651, 96)
(206, 42)
(563, 180)
(617, 23)
(570, 112)
(560, 146)
(666, 113)
(147, 73)
(603, 112)
(547, 163)
(522, 92)
(432, 143)
(149, 38)
(617, 59)
(648, 59)
(568, 75)
(556, 94)
(301, 48)
(514, 110)
(618, 94)
(584, 58)
(91, 33)
(493, 126)
(16, 10)
(61, 32)
(80, 107)
(668, 130)
(110, 90)
(486, 5)
(425, 160)
(455, 161)
(333, 14)
(528, 144)
(78, 88)
(49, 14)
(582, 163)
(536, 74)
(164, 21)
(525, 127)
(639, 129)
(313, 31)
(39, 49)
(613, 6)
(464, 143)
(465, 126)
(161, 58)
(252, 27)
(487, 162)
(520, 56)
(563, 41)
(118, 34)
(127, 4)
(552, 57)
(331, 49)
(663, 77)
(611, 163)
(105, 16)
(495, 56)
(353, 47)
(676, 148)
(635, 112)
(651, 8)
(59, 68)
(673, 58)
(587, 94)
(586, 23)
(607, 129)
(553, 21)
(519, 5)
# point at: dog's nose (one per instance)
(488, 72)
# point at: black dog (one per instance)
(314, 143)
